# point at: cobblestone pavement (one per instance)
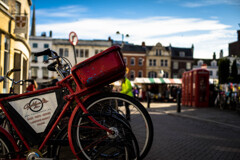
(194, 134)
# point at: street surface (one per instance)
(181, 138)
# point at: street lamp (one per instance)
(127, 35)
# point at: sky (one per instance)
(209, 25)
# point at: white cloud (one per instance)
(202, 3)
(67, 11)
(208, 36)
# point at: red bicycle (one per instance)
(96, 125)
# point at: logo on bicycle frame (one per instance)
(35, 104)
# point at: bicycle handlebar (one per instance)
(11, 71)
(47, 52)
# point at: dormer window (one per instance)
(182, 54)
(200, 63)
(158, 52)
(213, 63)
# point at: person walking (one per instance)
(126, 89)
(148, 96)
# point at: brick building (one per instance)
(135, 60)
(234, 47)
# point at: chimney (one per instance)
(143, 44)
(214, 55)
(50, 33)
(33, 29)
(43, 34)
(221, 53)
(238, 35)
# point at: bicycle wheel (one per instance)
(139, 119)
(62, 150)
(91, 142)
(6, 148)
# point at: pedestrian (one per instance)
(135, 92)
(126, 89)
(148, 96)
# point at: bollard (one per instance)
(178, 102)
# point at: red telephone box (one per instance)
(184, 100)
(190, 83)
(200, 88)
(195, 88)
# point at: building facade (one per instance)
(234, 47)
(84, 50)
(14, 48)
(158, 61)
(209, 64)
(135, 60)
(181, 60)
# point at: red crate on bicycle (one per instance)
(105, 67)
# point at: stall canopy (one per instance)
(158, 80)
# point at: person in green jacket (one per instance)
(127, 89)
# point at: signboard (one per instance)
(73, 38)
(21, 24)
(37, 111)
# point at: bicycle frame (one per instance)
(60, 109)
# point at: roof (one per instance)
(205, 61)
(175, 51)
(133, 48)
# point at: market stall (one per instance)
(162, 89)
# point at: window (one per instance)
(175, 65)
(45, 72)
(140, 73)
(34, 72)
(125, 60)
(6, 60)
(132, 75)
(188, 65)
(86, 53)
(35, 45)
(214, 63)
(46, 45)
(81, 52)
(162, 62)
(132, 62)
(166, 63)
(18, 8)
(96, 51)
(154, 62)
(34, 58)
(210, 73)
(5, 1)
(175, 76)
(45, 58)
(140, 61)
(60, 52)
(200, 63)
(158, 52)
(165, 75)
(152, 74)
(77, 53)
(182, 54)
(66, 52)
(150, 62)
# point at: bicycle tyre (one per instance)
(6, 148)
(62, 151)
(91, 142)
(139, 116)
